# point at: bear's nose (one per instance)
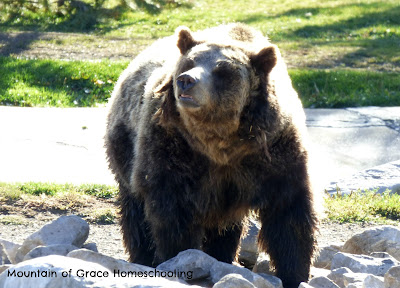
(185, 82)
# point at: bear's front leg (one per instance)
(172, 230)
(287, 233)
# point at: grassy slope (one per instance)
(343, 34)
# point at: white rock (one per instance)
(56, 249)
(47, 272)
(78, 274)
(363, 264)
(392, 277)
(322, 282)
(378, 239)
(64, 230)
(120, 267)
(304, 285)
(325, 255)
(372, 281)
(319, 272)
(220, 269)
(10, 249)
(248, 247)
(263, 264)
(233, 281)
(350, 278)
(194, 263)
(337, 276)
(355, 285)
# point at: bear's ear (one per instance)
(266, 59)
(185, 39)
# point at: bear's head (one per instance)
(212, 84)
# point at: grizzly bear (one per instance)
(203, 128)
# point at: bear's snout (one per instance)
(185, 82)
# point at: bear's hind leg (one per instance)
(136, 233)
(223, 245)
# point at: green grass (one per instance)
(78, 83)
(346, 88)
(56, 83)
(344, 34)
(15, 191)
(369, 206)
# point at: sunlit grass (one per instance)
(57, 83)
(368, 206)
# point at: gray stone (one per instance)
(382, 255)
(324, 257)
(263, 264)
(220, 269)
(372, 281)
(71, 230)
(192, 261)
(322, 282)
(10, 249)
(363, 264)
(354, 278)
(233, 281)
(56, 249)
(83, 274)
(275, 281)
(90, 246)
(248, 247)
(392, 277)
(382, 177)
(353, 140)
(377, 239)
(5, 267)
(337, 276)
(3, 256)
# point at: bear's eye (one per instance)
(222, 69)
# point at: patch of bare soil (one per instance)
(75, 46)
(69, 46)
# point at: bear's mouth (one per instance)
(187, 100)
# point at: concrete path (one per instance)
(66, 145)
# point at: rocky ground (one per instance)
(109, 238)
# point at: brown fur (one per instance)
(203, 128)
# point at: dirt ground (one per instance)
(75, 46)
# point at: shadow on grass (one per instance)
(376, 40)
(88, 18)
(15, 44)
